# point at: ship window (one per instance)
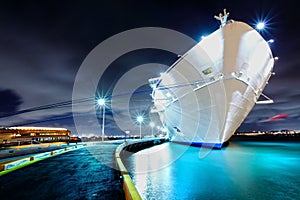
(207, 71)
(177, 129)
(220, 75)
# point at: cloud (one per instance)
(38, 71)
(9, 101)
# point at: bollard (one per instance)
(51, 153)
(1, 167)
(121, 179)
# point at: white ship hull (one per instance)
(205, 96)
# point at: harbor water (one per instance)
(243, 170)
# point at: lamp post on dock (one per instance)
(140, 120)
(101, 102)
(151, 124)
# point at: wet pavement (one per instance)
(79, 174)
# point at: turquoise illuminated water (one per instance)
(243, 170)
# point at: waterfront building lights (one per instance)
(101, 102)
(140, 120)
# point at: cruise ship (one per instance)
(208, 92)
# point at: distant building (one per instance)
(33, 134)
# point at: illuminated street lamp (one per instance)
(158, 128)
(101, 102)
(151, 124)
(163, 129)
(140, 120)
(126, 132)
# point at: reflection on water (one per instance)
(243, 170)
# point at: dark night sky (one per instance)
(42, 45)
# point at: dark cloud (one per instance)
(9, 102)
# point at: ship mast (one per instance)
(223, 17)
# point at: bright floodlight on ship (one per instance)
(101, 102)
(260, 25)
(270, 41)
(140, 119)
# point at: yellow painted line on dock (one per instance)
(131, 192)
(33, 160)
(121, 166)
(24, 165)
(129, 188)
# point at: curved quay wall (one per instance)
(131, 192)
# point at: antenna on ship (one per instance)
(223, 17)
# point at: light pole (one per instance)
(101, 102)
(164, 130)
(126, 132)
(140, 119)
(158, 128)
(152, 126)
